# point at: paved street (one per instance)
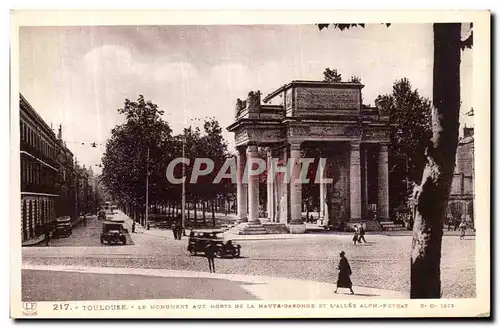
(53, 286)
(85, 236)
(381, 263)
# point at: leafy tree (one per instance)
(126, 159)
(411, 115)
(432, 194)
(332, 76)
(355, 79)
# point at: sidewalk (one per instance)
(263, 288)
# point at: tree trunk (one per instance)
(431, 196)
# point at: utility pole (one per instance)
(147, 188)
(183, 205)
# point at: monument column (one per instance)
(322, 192)
(253, 188)
(355, 181)
(241, 187)
(383, 183)
(270, 185)
(284, 190)
(295, 188)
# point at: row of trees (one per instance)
(145, 145)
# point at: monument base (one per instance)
(297, 228)
(251, 229)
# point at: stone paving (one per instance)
(382, 263)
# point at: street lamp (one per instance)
(147, 189)
(183, 201)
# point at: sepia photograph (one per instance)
(270, 166)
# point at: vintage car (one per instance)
(112, 233)
(62, 227)
(199, 239)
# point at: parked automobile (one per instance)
(112, 233)
(63, 227)
(199, 239)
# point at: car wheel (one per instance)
(219, 253)
(192, 252)
(237, 252)
(102, 241)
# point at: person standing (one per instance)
(47, 234)
(174, 230)
(210, 254)
(355, 237)
(361, 234)
(344, 277)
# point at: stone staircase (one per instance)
(251, 229)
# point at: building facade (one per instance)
(461, 201)
(52, 184)
(39, 171)
(330, 119)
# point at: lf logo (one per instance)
(29, 308)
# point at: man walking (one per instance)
(210, 254)
(361, 234)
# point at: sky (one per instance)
(79, 76)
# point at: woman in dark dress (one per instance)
(344, 279)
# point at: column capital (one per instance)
(355, 146)
(384, 146)
(295, 146)
(252, 148)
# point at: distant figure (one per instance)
(462, 227)
(210, 251)
(133, 227)
(84, 221)
(179, 232)
(47, 234)
(344, 278)
(355, 237)
(361, 234)
(175, 229)
(149, 226)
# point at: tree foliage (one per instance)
(410, 114)
(126, 159)
(332, 76)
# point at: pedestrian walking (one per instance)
(462, 227)
(133, 226)
(361, 234)
(47, 234)
(344, 277)
(210, 251)
(174, 230)
(179, 232)
(355, 237)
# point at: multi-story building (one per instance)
(52, 184)
(461, 202)
(39, 169)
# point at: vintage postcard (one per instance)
(250, 164)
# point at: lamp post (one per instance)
(183, 201)
(147, 189)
